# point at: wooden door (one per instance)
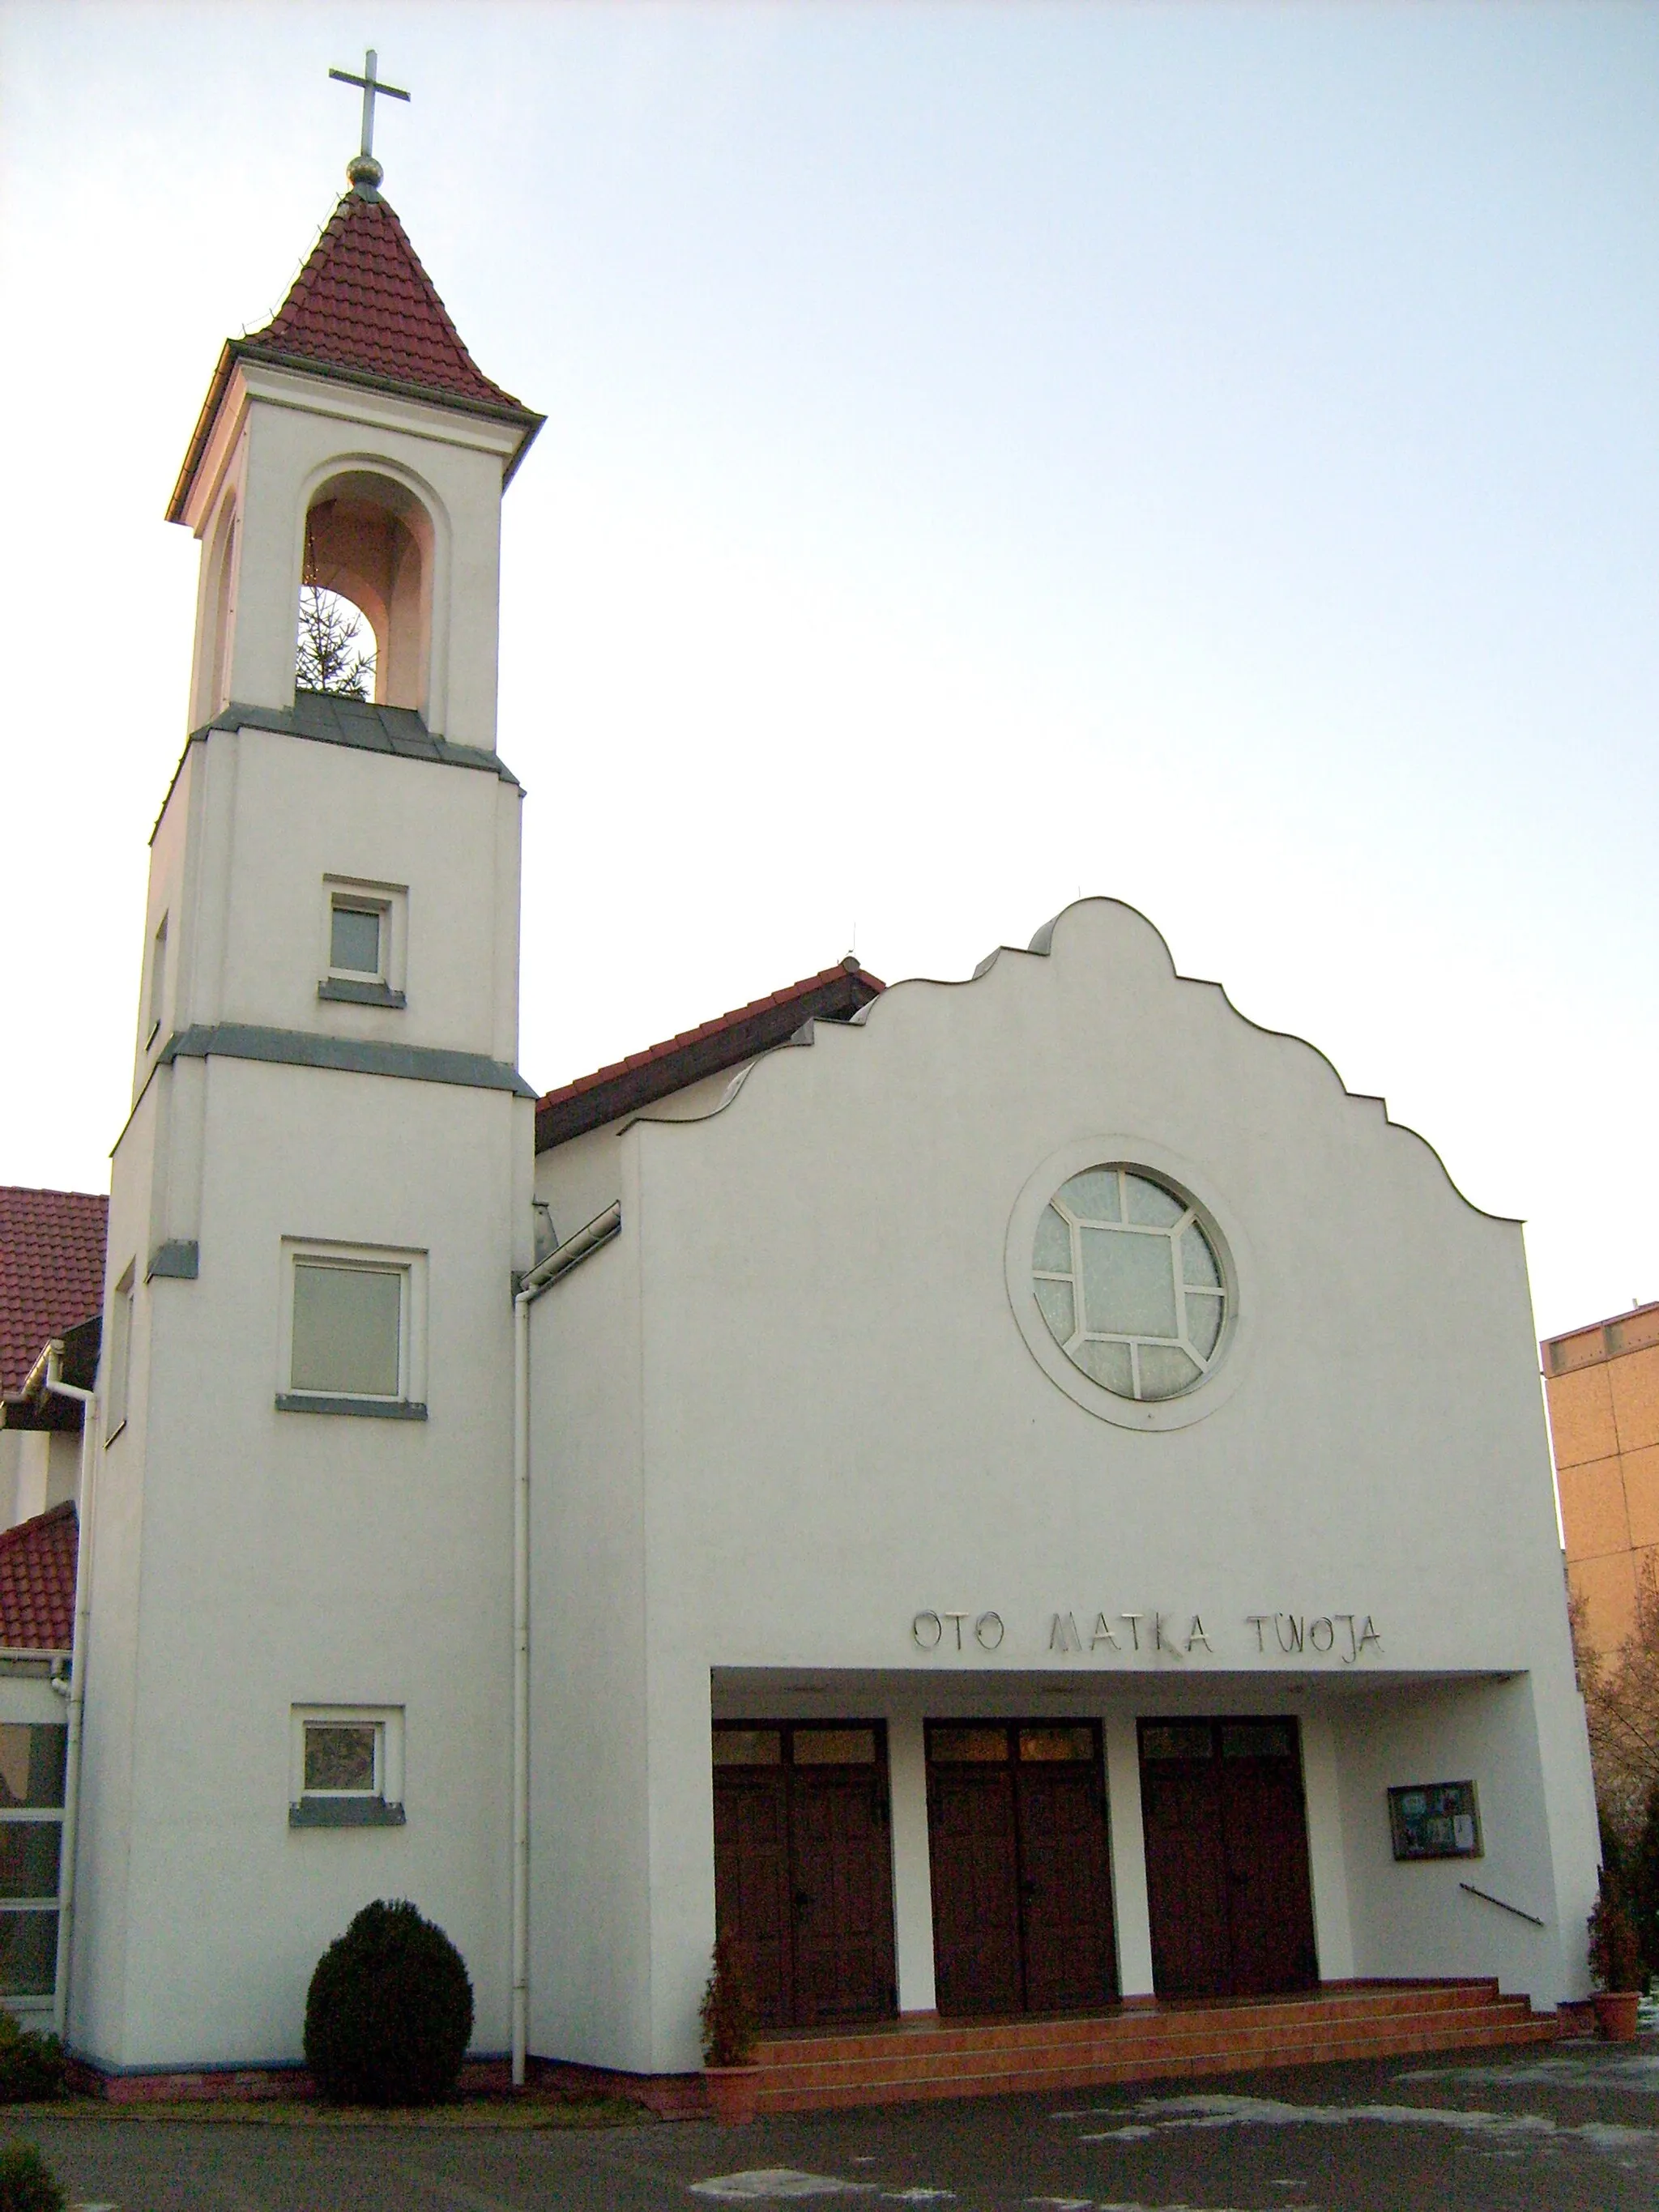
(803, 1868)
(1021, 1885)
(1227, 1877)
(1065, 1886)
(1270, 1892)
(752, 1882)
(975, 1856)
(1186, 1859)
(840, 1869)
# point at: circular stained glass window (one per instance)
(1128, 1278)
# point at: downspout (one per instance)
(559, 1262)
(77, 1681)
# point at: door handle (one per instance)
(803, 1904)
(1028, 1888)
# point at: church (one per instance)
(1017, 1499)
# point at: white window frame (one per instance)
(120, 1355)
(386, 1797)
(391, 902)
(409, 1398)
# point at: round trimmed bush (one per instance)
(26, 2181)
(389, 2011)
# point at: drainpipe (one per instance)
(541, 1278)
(77, 1682)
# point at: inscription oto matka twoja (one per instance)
(1345, 1636)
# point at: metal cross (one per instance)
(371, 85)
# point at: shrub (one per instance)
(26, 2181)
(1640, 1874)
(389, 2011)
(1615, 1960)
(30, 2066)
(729, 2024)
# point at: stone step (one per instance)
(1150, 2046)
(1272, 2014)
(1136, 2046)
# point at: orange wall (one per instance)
(1604, 1417)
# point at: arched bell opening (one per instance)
(368, 561)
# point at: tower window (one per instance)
(354, 1324)
(365, 942)
(357, 940)
(347, 1329)
(158, 979)
(120, 1356)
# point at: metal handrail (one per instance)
(1503, 1905)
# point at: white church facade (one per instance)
(1008, 1496)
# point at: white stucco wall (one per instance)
(842, 1424)
(250, 1560)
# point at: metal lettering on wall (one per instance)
(1343, 1637)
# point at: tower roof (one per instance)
(363, 303)
(364, 310)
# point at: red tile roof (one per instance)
(37, 1582)
(362, 309)
(51, 1272)
(362, 301)
(834, 994)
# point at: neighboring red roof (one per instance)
(834, 994)
(362, 301)
(37, 1582)
(51, 1272)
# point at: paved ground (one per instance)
(1574, 2129)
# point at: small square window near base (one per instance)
(346, 1766)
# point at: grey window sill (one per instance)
(344, 1812)
(374, 1409)
(359, 995)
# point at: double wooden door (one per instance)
(1227, 1878)
(803, 1868)
(1022, 1888)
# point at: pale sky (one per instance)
(1203, 453)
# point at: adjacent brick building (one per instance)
(1602, 1385)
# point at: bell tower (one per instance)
(352, 442)
(299, 1687)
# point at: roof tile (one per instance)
(51, 1271)
(626, 1086)
(363, 303)
(37, 1582)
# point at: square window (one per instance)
(353, 1330)
(365, 942)
(356, 935)
(346, 1766)
(343, 1758)
(347, 1330)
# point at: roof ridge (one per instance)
(647, 1053)
(51, 1190)
(19, 1530)
(838, 993)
